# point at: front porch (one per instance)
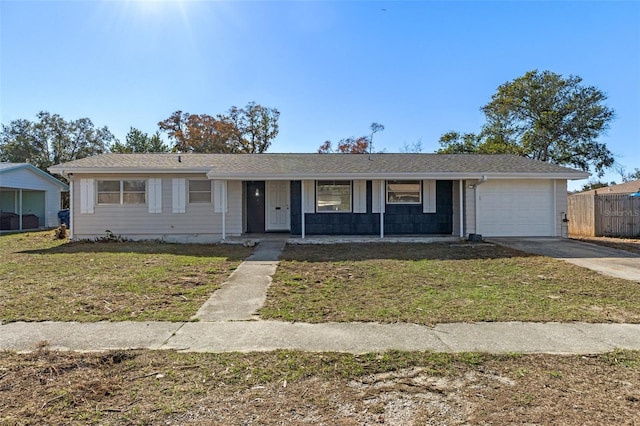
(340, 239)
(360, 211)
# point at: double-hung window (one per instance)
(403, 192)
(199, 191)
(121, 191)
(333, 196)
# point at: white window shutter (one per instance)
(179, 196)
(359, 196)
(154, 188)
(219, 196)
(376, 201)
(87, 195)
(309, 196)
(429, 196)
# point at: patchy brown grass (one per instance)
(438, 283)
(627, 244)
(48, 279)
(286, 387)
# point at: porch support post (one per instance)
(555, 212)
(382, 200)
(224, 209)
(302, 195)
(71, 208)
(461, 207)
(476, 194)
(20, 209)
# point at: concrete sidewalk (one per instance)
(246, 336)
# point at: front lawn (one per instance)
(440, 283)
(287, 387)
(46, 279)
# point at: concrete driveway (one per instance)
(606, 260)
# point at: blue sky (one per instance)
(331, 68)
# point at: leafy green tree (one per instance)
(247, 130)
(138, 141)
(255, 127)
(544, 116)
(51, 140)
(459, 143)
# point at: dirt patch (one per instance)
(627, 244)
(168, 388)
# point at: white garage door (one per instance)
(516, 208)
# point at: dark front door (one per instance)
(255, 207)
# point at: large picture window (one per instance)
(199, 191)
(333, 196)
(121, 191)
(403, 192)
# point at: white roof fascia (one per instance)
(124, 170)
(306, 176)
(398, 176)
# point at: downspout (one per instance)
(302, 195)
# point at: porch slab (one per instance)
(341, 239)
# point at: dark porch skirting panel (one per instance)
(398, 219)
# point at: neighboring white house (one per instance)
(209, 197)
(29, 197)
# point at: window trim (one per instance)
(98, 192)
(189, 191)
(406, 181)
(326, 182)
(121, 192)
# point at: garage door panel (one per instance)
(516, 208)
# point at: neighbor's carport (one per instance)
(29, 197)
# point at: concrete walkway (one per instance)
(228, 322)
(245, 291)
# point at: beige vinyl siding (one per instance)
(469, 207)
(561, 207)
(199, 223)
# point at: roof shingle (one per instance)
(235, 165)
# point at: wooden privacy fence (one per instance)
(607, 215)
